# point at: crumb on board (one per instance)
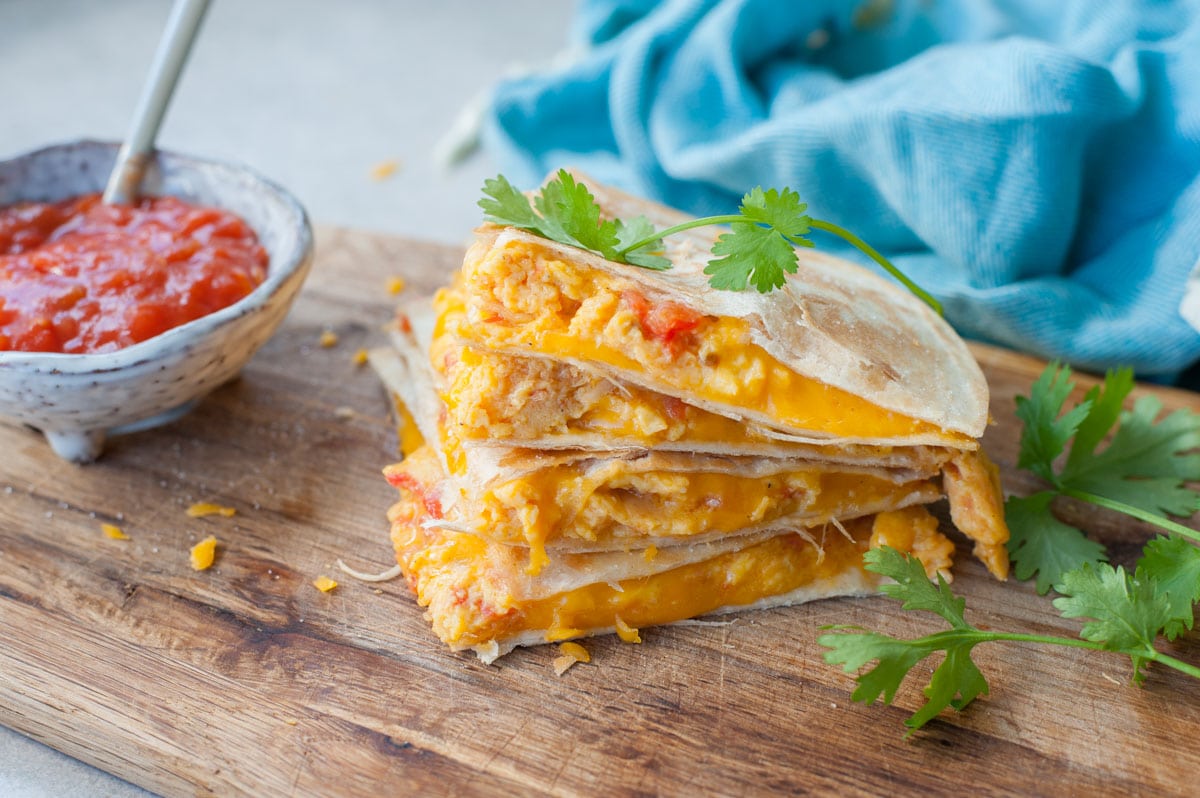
(343, 413)
(382, 576)
(569, 654)
(324, 583)
(627, 632)
(113, 531)
(395, 285)
(328, 338)
(360, 357)
(203, 553)
(385, 169)
(203, 509)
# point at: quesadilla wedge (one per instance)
(579, 499)
(837, 354)
(479, 595)
(596, 446)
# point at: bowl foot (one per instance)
(76, 446)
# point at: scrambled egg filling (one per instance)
(466, 583)
(489, 395)
(519, 297)
(616, 501)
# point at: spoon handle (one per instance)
(173, 49)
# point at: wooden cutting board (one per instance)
(245, 679)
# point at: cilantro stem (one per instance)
(870, 252)
(1054, 640)
(819, 224)
(943, 640)
(1147, 653)
(1168, 660)
(679, 228)
(1138, 513)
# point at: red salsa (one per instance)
(81, 276)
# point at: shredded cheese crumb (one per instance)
(395, 285)
(385, 169)
(570, 653)
(650, 553)
(324, 584)
(202, 509)
(575, 650)
(203, 553)
(328, 338)
(113, 531)
(360, 357)
(383, 576)
(626, 632)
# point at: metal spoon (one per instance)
(173, 50)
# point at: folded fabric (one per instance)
(1034, 165)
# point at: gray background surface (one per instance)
(312, 93)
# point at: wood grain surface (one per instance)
(245, 679)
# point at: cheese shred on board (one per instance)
(113, 531)
(203, 553)
(569, 654)
(203, 509)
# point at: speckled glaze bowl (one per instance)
(78, 400)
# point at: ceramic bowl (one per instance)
(78, 400)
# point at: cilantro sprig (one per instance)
(1126, 615)
(1142, 471)
(759, 250)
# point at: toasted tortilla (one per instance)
(480, 595)
(406, 369)
(833, 321)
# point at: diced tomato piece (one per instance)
(402, 479)
(664, 321)
(676, 408)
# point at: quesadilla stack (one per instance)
(604, 447)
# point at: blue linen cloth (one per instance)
(1035, 165)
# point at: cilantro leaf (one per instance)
(648, 252)
(760, 249)
(504, 204)
(1041, 544)
(751, 254)
(781, 211)
(956, 682)
(573, 209)
(1103, 412)
(853, 651)
(1174, 564)
(760, 255)
(913, 587)
(1141, 471)
(1127, 613)
(1144, 465)
(1045, 435)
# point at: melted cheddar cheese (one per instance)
(518, 297)
(617, 502)
(492, 395)
(466, 583)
